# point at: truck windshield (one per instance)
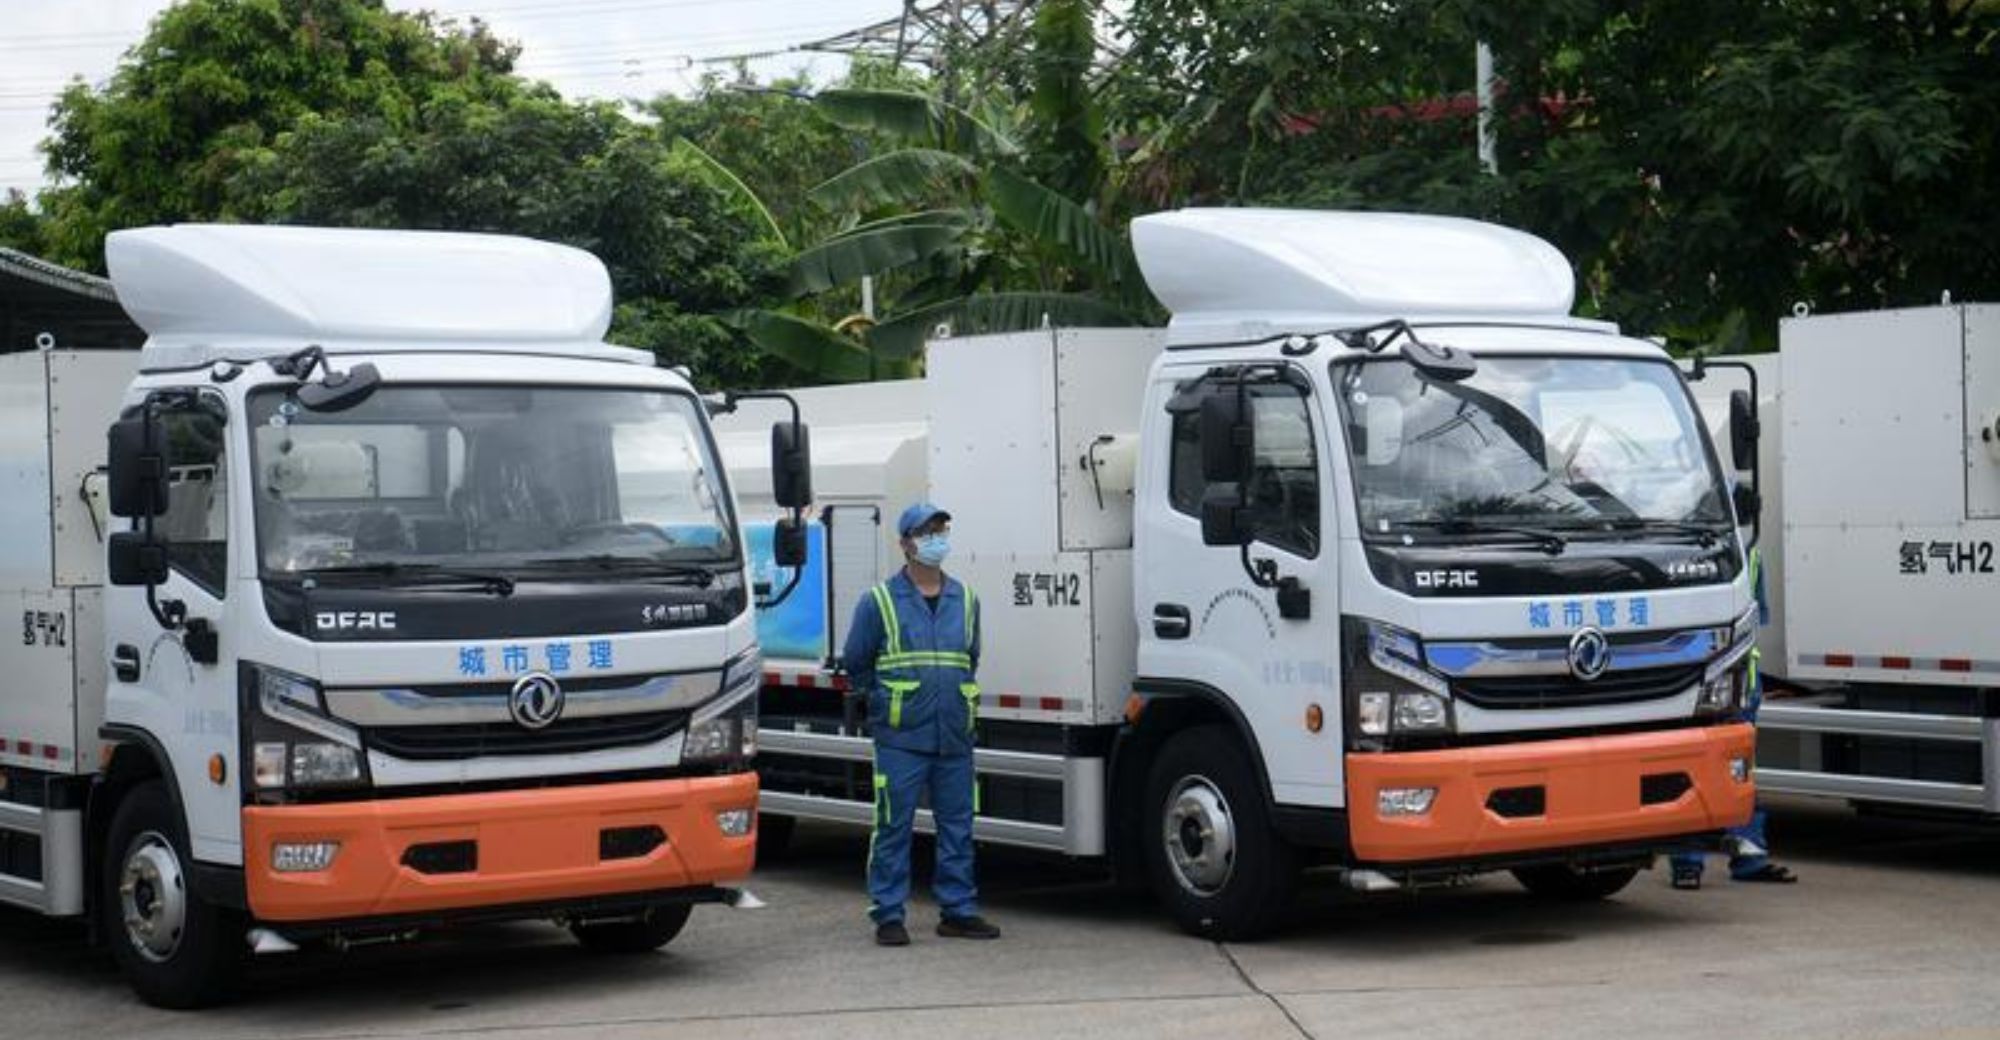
(1568, 444)
(420, 479)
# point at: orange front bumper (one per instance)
(531, 846)
(1590, 790)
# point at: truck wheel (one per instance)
(1215, 861)
(656, 929)
(176, 949)
(774, 835)
(1567, 883)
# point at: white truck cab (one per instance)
(417, 602)
(1374, 557)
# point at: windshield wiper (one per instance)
(1707, 534)
(1549, 541)
(610, 565)
(430, 574)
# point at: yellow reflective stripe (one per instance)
(970, 691)
(922, 658)
(897, 689)
(882, 800)
(890, 626)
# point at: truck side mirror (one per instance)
(788, 543)
(1224, 518)
(791, 466)
(136, 558)
(1226, 436)
(138, 466)
(1744, 429)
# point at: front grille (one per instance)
(564, 737)
(1519, 692)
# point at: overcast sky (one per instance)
(586, 48)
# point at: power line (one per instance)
(726, 38)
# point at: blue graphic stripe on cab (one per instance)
(1480, 658)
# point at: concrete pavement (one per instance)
(1891, 933)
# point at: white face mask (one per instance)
(931, 549)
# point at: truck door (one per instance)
(163, 682)
(1204, 622)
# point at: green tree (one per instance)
(1704, 164)
(217, 80)
(950, 233)
(20, 225)
(530, 163)
(768, 136)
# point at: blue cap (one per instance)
(917, 516)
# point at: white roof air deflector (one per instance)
(203, 291)
(1236, 274)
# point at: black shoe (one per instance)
(974, 927)
(892, 933)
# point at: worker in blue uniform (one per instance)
(913, 651)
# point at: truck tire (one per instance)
(176, 949)
(1570, 885)
(1214, 859)
(656, 929)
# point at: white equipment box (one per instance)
(54, 409)
(1892, 496)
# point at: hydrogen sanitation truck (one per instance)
(1881, 516)
(1374, 557)
(376, 592)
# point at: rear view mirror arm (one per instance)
(1702, 364)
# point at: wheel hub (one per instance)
(1200, 835)
(152, 895)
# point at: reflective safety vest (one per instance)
(927, 699)
(1753, 684)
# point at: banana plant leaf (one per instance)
(725, 179)
(827, 354)
(859, 254)
(916, 118)
(1055, 221)
(904, 175)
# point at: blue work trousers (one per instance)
(1739, 866)
(901, 778)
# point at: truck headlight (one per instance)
(293, 744)
(1718, 693)
(724, 730)
(1422, 713)
(1389, 690)
(1724, 682)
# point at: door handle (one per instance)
(1171, 621)
(125, 662)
